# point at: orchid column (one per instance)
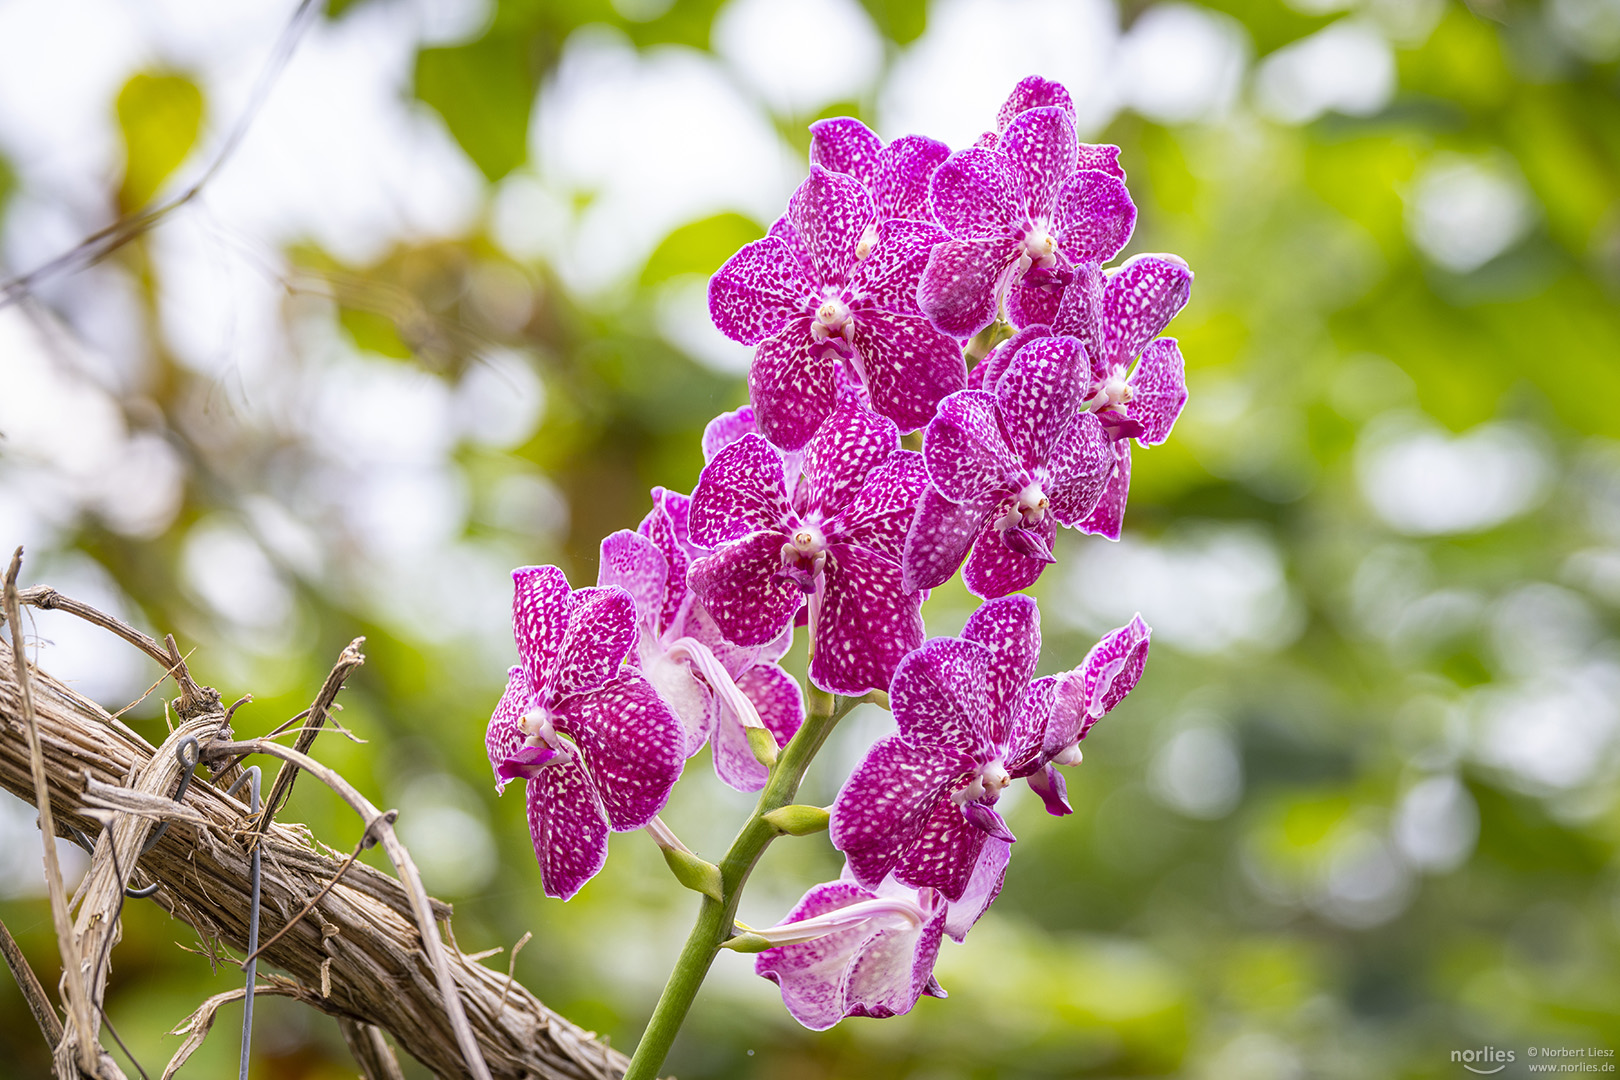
(861, 302)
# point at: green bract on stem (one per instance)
(714, 921)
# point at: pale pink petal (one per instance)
(812, 973)
(633, 563)
(894, 968)
(504, 737)
(983, 886)
(780, 702)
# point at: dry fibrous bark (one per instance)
(357, 955)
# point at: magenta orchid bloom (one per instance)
(849, 951)
(1118, 314)
(1034, 92)
(716, 688)
(1006, 466)
(896, 174)
(833, 285)
(831, 535)
(1022, 214)
(921, 805)
(598, 747)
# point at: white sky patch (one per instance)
(499, 400)
(682, 312)
(1346, 67)
(800, 55)
(1424, 482)
(1198, 771)
(654, 140)
(1538, 628)
(1464, 212)
(87, 658)
(1211, 589)
(22, 855)
(1590, 28)
(1180, 63)
(229, 571)
(1364, 882)
(950, 82)
(1553, 732)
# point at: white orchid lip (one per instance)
(537, 725)
(832, 315)
(1027, 511)
(887, 912)
(986, 784)
(1069, 755)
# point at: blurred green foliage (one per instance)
(1140, 937)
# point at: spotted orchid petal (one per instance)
(888, 276)
(852, 442)
(975, 194)
(779, 701)
(1035, 302)
(1094, 215)
(984, 885)
(984, 376)
(940, 537)
(632, 743)
(758, 290)
(726, 429)
(739, 493)
(887, 800)
(830, 212)
(568, 827)
(938, 695)
(1011, 629)
(740, 587)
(1140, 299)
(1041, 147)
(539, 620)
(1083, 696)
(966, 449)
(504, 737)
(634, 563)
(1038, 394)
(1034, 92)
(793, 385)
(962, 280)
(868, 620)
(845, 145)
(1108, 518)
(904, 169)
(947, 848)
(1159, 387)
(880, 513)
(1080, 466)
(601, 634)
(994, 568)
(909, 366)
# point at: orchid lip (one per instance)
(986, 784)
(1069, 755)
(832, 316)
(890, 911)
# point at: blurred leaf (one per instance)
(699, 248)
(374, 332)
(159, 116)
(901, 21)
(484, 90)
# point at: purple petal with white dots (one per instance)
(938, 696)
(1011, 629)
(962, 281)
(601, 633)
(793, 385)
(1041, 146)
(741, 587)
(1103, 157)
(887, 278)
(868, 621)
(843, 144)
(940, 536)
(634, 746)
(1142, 296)
(1079, 467)
(984, 376)
(944, 853)
(975, 194)
(726, 429)
(1034, 92)
(993, 569)
(887, 800)
(633, 563)
(739, 493)
(661, 530)
(881, 512)
(677, 510)
(757, 290)
(503, 738)
(909, 365)
(1113, 666)
(1027, 742)
(984, 885)
(569, 828)
(852, 442)
(829, 211)
(904, 169)
(1080, 314)
(965, 449)
(1038, 393)
(1159, 390)
(1108, 518)
(539, 621)
(1032, 303)
(1094, 216)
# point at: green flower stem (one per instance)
(715, 917)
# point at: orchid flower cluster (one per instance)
(870, 466)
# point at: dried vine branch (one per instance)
(358, 956)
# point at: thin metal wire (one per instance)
(250, 775)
